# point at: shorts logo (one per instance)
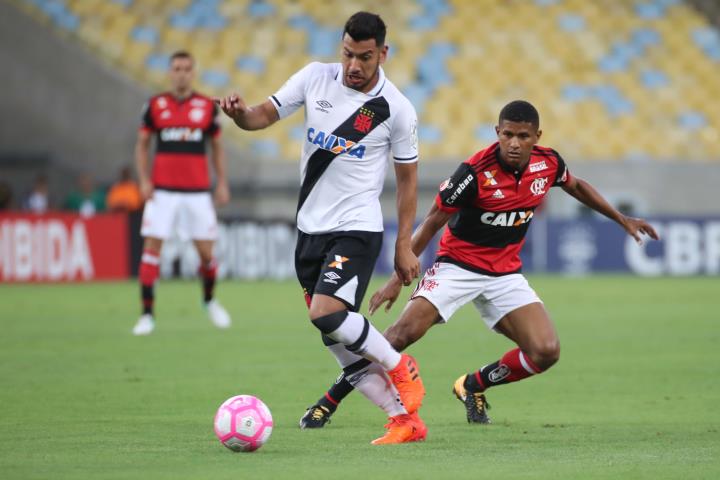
(538, 186)
(490, 176)
(339, 260)
(537, 166)
(363, 120)
(500, 373)
(331, 277)
(429, 285)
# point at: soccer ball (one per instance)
(243, 423)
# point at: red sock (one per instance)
(513, 366)
(149, 272)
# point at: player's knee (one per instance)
(545, 354)
(327, 323)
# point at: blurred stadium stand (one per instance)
(631, 83)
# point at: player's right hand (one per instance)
(388, 293)
(233, 106)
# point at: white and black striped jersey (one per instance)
(348, 139)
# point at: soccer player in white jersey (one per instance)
(355, 119)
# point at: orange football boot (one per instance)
(404, 428)
(406, 378)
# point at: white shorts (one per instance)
(189, 214)
(449, 287)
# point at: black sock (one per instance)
(335, 394)
(342, 387)
(148, 298)
(473, 384)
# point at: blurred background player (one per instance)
(489, 202)
(87, 199)
(177, 194)
(124, 195)
(355, 119)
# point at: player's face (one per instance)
(361, 61)
(516, 141)
(181, 74)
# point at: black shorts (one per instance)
(337, 264)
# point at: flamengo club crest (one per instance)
(363, 120)
(538, 186)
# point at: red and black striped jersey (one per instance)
(182, 129)
(493, 206)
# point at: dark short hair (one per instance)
(181, 54)
(520, 111)
(364, 26)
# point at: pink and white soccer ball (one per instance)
(243, 423)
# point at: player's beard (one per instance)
(362, 87)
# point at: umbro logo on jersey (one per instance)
(181, 134)
(339, 260)
(490, 178)
(506, 219)
(335, 144)
(498, 194)
(323, 106)
(331, 277)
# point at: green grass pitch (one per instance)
(635, 394)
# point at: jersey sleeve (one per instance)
(214, 127)
(147, 123)
(458, 191)
(291, 96)
(403, 136)
(563, 174)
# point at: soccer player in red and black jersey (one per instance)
(177, 196)
(488, 204)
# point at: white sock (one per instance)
(371, 381)
(372, 346)
(377, 387)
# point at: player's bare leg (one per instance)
(208, 273)
(355, 332)
(538, 349)
(148, 273)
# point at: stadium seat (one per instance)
(619, 66)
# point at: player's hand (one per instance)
(233, 106)
(407, 265)
(146, 189)
(635, 226)
(387, 293)
(222, 194)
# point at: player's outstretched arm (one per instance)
(248, 118)
(586, 194)
(433, 222)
